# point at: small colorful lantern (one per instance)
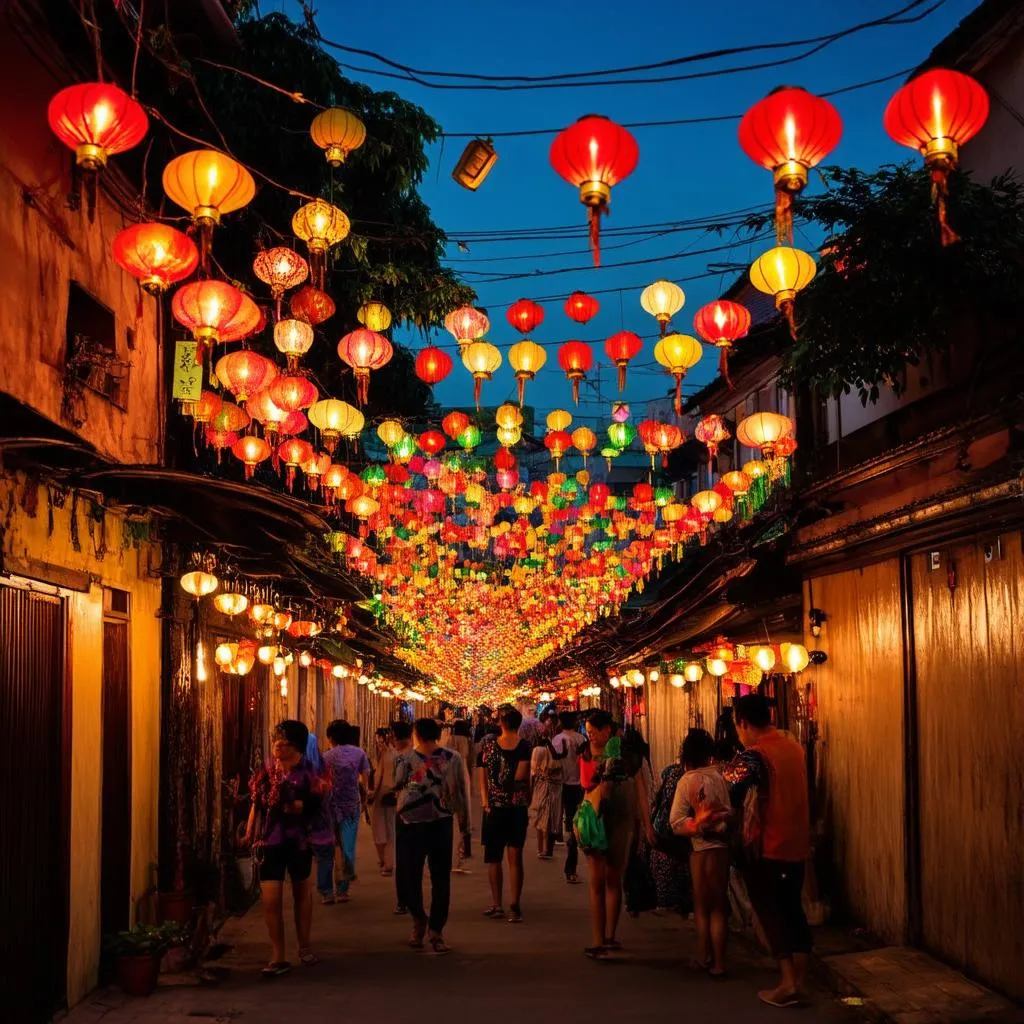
(292, 392)
(321, 226)
(620, 348)
(433, 365)
(525, 316)
(764, 430)
(335, 419)
(526, 358)
(454, 424)
(157, 255)
(337, 132)
(575, 358)
(231, 603)
(199, 584)
(782, 272)
(281, 268)
(678, 353)
(481, 358)
(364, 350)
(466, 325)
(662, 300)
(711, 431)
(581, 307)
(585, 441)
(293, 453)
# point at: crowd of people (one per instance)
(728, 825)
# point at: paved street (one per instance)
(499, 972)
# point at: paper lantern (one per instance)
(320, 225)
(621, 435)
(293, 338)
(594, 154)
(466, 324)
(214, 311)
(585, 441)
(470, 437)
(337, 132)
(788, 132)
(335, 419)
(794, 657)
(293, 453)
(581, 307)
(575, 358)
(705, 502)
(693, 672)
(662, 300)
(722, 323)
(620, 348)
(763, 430)
(230, 418)
(508, 416)
(315, 468)
(204, 408)
(525, 315)
(390, 433)
(678, 353)
(737, 481)
(558, 442)
(936, 113)
(433, 365)
(364, 350)
(454, 424)
(763, 656)
(312, 305)
(199, 584)
(782, 272)
(262, 408)
(157, 255)
(481, 358)
(231, 603)
(292, 392)
(558, 419)
(251, 451)
(526, 358)
(711, 431)
(509, 436)
(281, 268)
(374, 315)
(432, 442)
(96, 119)
(475, 164)
(244, 373)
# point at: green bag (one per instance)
(589, 829)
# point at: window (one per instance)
(91, 349)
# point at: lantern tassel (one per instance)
(723, 365)
(783, 217)
(940, 196)
(289, 478)
(521, 389)
(478, 383)
(679, 395)
(576, 389)
(622, 376)
(786, 309)
(594, 213)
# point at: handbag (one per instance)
(589, 829)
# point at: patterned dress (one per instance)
(546, 801)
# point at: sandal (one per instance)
(494, 912)
(438, 947)
(612, 945)
(515, 916)
(416, 939)
(276, 968)
(782, 1002)
(308, 959)
(596, 952)
(572, 879)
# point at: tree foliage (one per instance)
(887, 293)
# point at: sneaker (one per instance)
(437, 946)
(326, 900)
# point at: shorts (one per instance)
(503, 827)
(776, 889)
(286, 856)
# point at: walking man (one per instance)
(566, 745)
(431, 784)
(350, 770)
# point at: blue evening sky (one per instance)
(684, 171)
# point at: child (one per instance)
(700, 808)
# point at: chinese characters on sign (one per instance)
(188, 374)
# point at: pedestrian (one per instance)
(605, 825)
(461, 741)
(383, 801)
(670, 856)
(504, 771)
(401, 732)
(431, 784)
(768, 780)
(321, 827)
(286, 793)
(700, 809)
(546, 793)
(566, 744)
(350, 770)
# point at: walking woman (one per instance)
(383, 802)
(546, 798)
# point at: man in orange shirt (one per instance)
(777, 837)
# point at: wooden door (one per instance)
(968, 610)
(34, 818)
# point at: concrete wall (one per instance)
(999, 146)
(26, 542)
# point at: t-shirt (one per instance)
(274, 791)
(347, 763)
(500, 766)
(431, 787)
(697, 789)
(567, 747)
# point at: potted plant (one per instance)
(138, 953)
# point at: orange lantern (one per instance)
(214, 311)
(481, 358)
(321, 226)
(96, 119)
(204, 408)
(315, 468)
(262, 408)
(251, 450)
(337, 132)
(293, 453)
(364, 350)
(585, 441)
(575, 358)
(281, 268)
(156, 254)
(454, 424)
(293, 392)
(764, 430)
(244, 373)
(312, 305)
(620, 348)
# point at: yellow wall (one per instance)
(26, 538)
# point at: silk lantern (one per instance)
(157, 255)
(620, 348)
(575, 358)
(364, 350)
(782, 272)
(678, 353)
(526, 358)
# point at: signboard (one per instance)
(188, 374)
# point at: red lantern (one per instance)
(788, 132)
(156, 254)
(620, 348)
(244, 373)
(581, 307)
(292, 392)
(558, 442)
(525, 315)
(711, 431)
(433, 365)
(643, 494)
(936, 113)
(364, 350)
(96, 119)
(281, 268)
(575, 358)
(598, 496)
(251, 450)
(722, 323)
(594, 154)
(312, 305)
(294, 423)
(205, 408)
(504, 459)
(214, 311)
(431, 442)
(454, 424)
(466, 324)
(293, 453)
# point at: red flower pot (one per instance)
(137, 974)
(176, 906)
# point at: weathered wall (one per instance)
(671, 711)
(999, 146)
(860, 754)
(25, 538)
(46, 245)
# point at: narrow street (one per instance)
(497, 972)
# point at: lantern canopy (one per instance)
(364, 350)
(782, 272)
(96, 119)
(581, 307)
(525, 315)
(575, 358)
(620, 348)
(678, 353)
(433, 365)
(662, 300)
(594, 154)
(337, 132)
(526, 358)
(157, 255)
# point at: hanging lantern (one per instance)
(782, 272)
(96, 120)
(664, 439)
(157, 255)
(312, 305)
(292, 392)
(558, 442)
(737, 481)
(199, 584)
(575, 358)
(313, 469)
(454, 424)
(763, 656)
(594, 154)
(711, 431)
(526, 358)
(469, 438)
(214, 311)
(261, 407)
(431, 442)
(244, 373)
(251, 451)
(481, 358)
(231, 603)
(936, 113)
(621, 435)
(706, 502)
(374, 315)
(466, 325)
(509, 437)
(581, 307)
(764, 430)
(693, 672)
(722, 323)
(205, 408)
(620, 348)
(335, 419)
(662, 300)
(293, 338)
(321, 226)
(788, 132)
(558, 419)
(678, 353)
(364, 350)
(230, 418)
(475, 164)
(585, 441)
(794, 657)
(293, 453)
(433, 365)
(304, 628)
(281, 268)
(508, 416)
(390, 433)
(525, 315)
(337, 132)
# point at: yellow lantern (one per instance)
(335, 419)
(693, 672)
(199, 584)
(706, 502)
(662, 300)
(763, 657)
(755, 469)
(293, 338)
(722, 514)
(337, 132)
(208, 184)
(262, 614)
(718, 667)
(678, 353)
(390, 432)
(230, 603)
(364, 506)
(782, 272)
(559, 419)
(764, 430)
(305, 659)
(224, 653)
(585, 440)
(474, 494)
(508, 437)
(266, 654)
(508, 416)
(673, 512)
(374, 315)
(320, 225)
(526, 358)
(481, 358)
(676, 680)
(794, 657)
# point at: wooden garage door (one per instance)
(969, 648)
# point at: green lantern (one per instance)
(621, 435)
(469, 438)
